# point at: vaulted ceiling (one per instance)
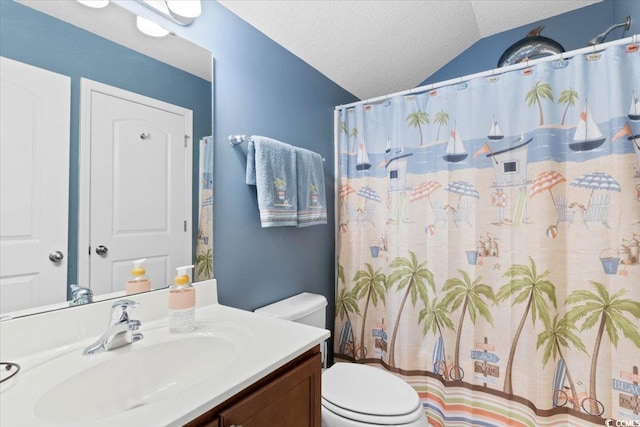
(377, 47)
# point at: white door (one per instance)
(34, 193)
(140, 191)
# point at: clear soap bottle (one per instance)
(138, 281)
(182, 302)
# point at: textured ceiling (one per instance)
(377, 47)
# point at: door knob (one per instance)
(56, 256)
(102, 250)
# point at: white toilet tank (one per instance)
(305, 308)
(308, 309)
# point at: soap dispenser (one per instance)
(182, 302)
(138, 281)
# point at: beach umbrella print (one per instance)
(369, 194)
(345, 190)
(545, 181)
(463, 188)
(424, 190)
(596, 181)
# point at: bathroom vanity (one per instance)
(288, 397)
(237, 369)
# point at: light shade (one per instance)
(150, 28)
(185, 8)
(96, 4)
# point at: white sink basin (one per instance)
(160, 366)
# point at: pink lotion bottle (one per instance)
(182, 302)
(138, 281)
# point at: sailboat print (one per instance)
(588, 135)
(455, 151)
(634, 110)
(494, 132)
(362, 160)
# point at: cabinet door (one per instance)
(290, 400)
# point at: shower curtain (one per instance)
(204, 245)
(488, 243)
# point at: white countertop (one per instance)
(273, 343)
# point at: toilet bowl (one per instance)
(353, 395)
(356, 395)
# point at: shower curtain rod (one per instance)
(496, 71)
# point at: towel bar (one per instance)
(239, 139)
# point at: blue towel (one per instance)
(312, 203)
(271, 167)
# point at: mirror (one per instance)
(103, 45)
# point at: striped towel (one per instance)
(312, 203)
(271, 167)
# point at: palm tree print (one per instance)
(435, 315)
(346, 303)
(353, 134)
(204, 264)
(341, 273)
(612, 313)
(526, 284)
(559, 333)
(569, 97)
(345, 129)
(536, 94)
(279, 183)
(441, 118)
(414, 277)
(417, 118)
(372, 285)
(471, 295)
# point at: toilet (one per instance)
(353, 395)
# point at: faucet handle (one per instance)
(119, 310)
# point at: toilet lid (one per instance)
(369, 391)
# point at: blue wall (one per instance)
(572, 30)
(35, 38)
(262, 89)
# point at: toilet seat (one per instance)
(369, 395)
(368, 419)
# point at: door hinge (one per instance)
(185, 225)
(186, 140)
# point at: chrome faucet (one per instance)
(120, 331)
(80, 295)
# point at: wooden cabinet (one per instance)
(288, 397)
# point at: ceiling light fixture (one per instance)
(181, 12)
(150, 28)
(185, 8)
(96, 4)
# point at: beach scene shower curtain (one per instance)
(488, 243)
(204, 244)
